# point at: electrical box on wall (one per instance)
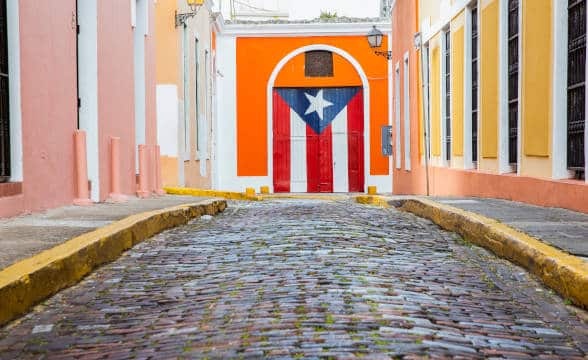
(387, 140)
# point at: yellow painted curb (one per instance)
(565, 273)
(229, 195)
(25, 283)
(372, 200)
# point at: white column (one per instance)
(503, 161)
(140, 82)
(407, 132)
(88, 88)
(16, 156)
(398, 134)
(559, 154)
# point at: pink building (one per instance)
(65, 68)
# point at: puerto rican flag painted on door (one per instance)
(318, 136)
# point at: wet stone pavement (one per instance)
(303, 279)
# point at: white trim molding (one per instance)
(443, 102)
(140, 77)
(14, 87)
(429, 30)
(88, 88)
(503, 161)
(468, 162)
(407, 128)
(302, 29)
(397, 111)
(384, 182)
(559, 155)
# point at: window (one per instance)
(4, 98)
(447, 77)
(318, 63)
(576, 85)
(475, 85)
(407, 164)
(428, 102)
(513, 80)
(196, 92)
(397, 113)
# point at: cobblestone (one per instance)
(303, 279)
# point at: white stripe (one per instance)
(340, 156)
(298, 181)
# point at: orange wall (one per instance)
(256, 60)
(167, 42)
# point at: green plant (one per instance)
(326, 15)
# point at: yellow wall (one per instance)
(435, 97)
(167, 42)
(457, 83)
(536, 77)
(489, 67)
(429, 10)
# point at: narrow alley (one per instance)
(302, 278)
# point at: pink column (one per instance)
(143, 190)
(158, 180)
(83, 194)
(115, 192)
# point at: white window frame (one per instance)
(407, 163)
(15, 120)
(443, 104)
(468, 161)
(398, 152)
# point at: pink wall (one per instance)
(116, 92)
(404, 24)
(49, 101)
(116, 110)
(49, 106)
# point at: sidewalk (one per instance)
(564, 229)
(25, 236)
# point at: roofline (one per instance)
(306, 29)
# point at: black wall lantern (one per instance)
(374, 38)
(194, 7)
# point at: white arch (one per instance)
(366, 105)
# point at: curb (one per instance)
(565, 273)
(229, 195)
(372, 200)
(26, 283)
(306, 197)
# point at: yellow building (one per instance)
(505, 103)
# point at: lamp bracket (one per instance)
(181, 18)
(386, 54)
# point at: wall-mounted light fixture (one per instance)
(194, 5)
(374, 38)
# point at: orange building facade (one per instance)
(256, 62)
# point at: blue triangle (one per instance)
(297, 100)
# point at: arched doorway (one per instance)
(317, 130)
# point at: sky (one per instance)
(310, 9)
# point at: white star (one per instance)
(317, 104)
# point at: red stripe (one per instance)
(355, 143)
(319, 160)
(281, 135)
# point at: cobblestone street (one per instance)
(303, 279)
